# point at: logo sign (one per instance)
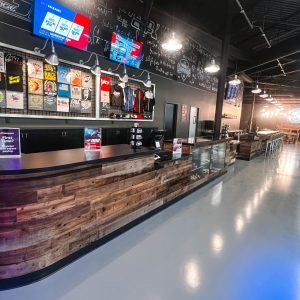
(60, 24)
(10, 142)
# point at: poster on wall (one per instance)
(92, 139)
(75, 106)
(35, 86)
(35, 69)
(13, 64)
(35, 102)
(105, 89)
(87, 80)
(76, 78)
(86, 106)
(63, 75)
(50, 88)
(2, 62)
(86, 94)
(50, 103)
(50, 72)
(2, 81)
(63, 90)
(14, 100)
(14, 83)
(63, 104)
(184, 113)
(2, 98)
(10, 145)
(76, 92)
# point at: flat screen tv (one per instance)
(60, 24)
(126, 50)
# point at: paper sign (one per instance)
(10, 142)
(92, 139)
(177, 146)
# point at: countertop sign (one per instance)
(10, 142)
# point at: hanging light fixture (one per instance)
(235, 81)
(257, 90)
(172, 44)
(95, 69)
(212, 67)
(147, 82)
(264, 95)
(124, 78)
(52, 58)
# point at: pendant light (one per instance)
(172, 44)
(52, 58)
(264, 95)
(147, 83)
(235, 81)
(212, 67)
(124, 78)
(257, 90)
(95, 69)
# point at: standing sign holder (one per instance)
(10, 143)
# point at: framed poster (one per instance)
(14, 83)
(87, 80)
(76, 92)
(76, 78)
(35, 86)
(35, 68)
(13, 64)
(92, 139)
(63, 90)
(50, 88)
(35, 102)
(2, 62)
(10, 145)
(50, 103)
(86, 94)
(14, 100)
(63, 75)
(75, 106)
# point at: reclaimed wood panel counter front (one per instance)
(57, 206)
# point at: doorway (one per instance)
(194, 113)
(170, 120)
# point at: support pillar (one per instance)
(223, 71)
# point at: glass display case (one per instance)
(218, 154)
(207, 160)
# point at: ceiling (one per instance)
(277, 68)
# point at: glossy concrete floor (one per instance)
(237, 238)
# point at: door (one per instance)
(170, 121)
(193, 122)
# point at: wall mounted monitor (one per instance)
(126, 50)
(60, 24)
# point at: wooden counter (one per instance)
(57, 206)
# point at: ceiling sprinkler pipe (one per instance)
(264, 36)
(244, 13)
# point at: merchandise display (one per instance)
(14, 83)
(64, 75)
(50, 103)
(2, 98)
(35, 86)
(35, 102)
(136, 136)
(35, 69)
(14, 100)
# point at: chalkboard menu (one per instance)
(125, 17)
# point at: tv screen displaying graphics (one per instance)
(232, 91)
(125, 50)
(60, 24)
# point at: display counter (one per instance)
(58, 206)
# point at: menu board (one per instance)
(10, 142)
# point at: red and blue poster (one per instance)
(60, 24)
(92, 139)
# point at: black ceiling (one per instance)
(280, 21)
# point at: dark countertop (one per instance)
(65, 159)
(200, 142)
(168, 157)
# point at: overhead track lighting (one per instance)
(172, 44)
(257, 90)
(235, 81)
(95, 69)
(52, 58)
(212, 67)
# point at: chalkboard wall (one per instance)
(197, 88)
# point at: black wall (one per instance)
(167, 90)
